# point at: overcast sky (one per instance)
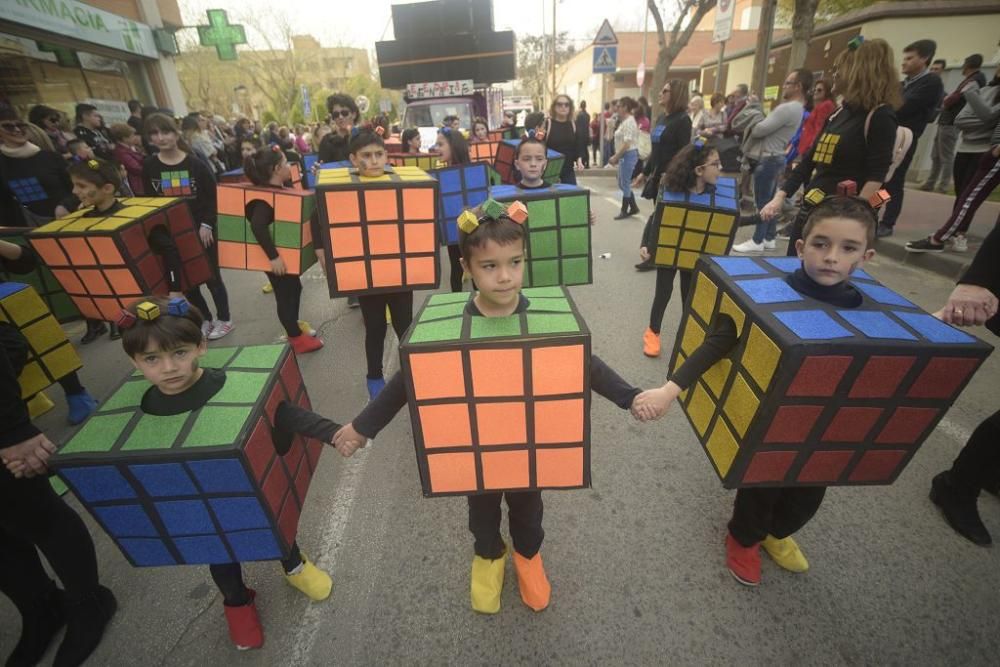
(324, 19)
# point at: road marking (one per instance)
(612, 200)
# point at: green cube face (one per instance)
(52, 293)
(232, 228)
(287, 235)
(558, 233)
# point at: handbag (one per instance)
(645, 145)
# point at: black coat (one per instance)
(674, 135)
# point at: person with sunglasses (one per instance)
(49, 120)
(32, 178)
(344, 115)
(560, 136)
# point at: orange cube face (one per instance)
(499, 404)
(381, 233)
(106, 263)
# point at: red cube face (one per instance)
(814, 394)
(106, 263)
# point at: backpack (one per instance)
(900, 147)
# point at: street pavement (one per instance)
(636, 562)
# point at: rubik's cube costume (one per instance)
(792, 386)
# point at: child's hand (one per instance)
(655, 401)
(593, 218)
(278, 267)
(644, 254)
(207, 238)
(347, 440)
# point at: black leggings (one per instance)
(71, 384)
(664, 288)
(454, 254)
(229, 578)
(777, 511)
(215, 285)
(373, 313)
(524, 513)
(978, 464)
(287, 296)
(32, 519)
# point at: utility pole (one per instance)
(554, 37)
(764, 34)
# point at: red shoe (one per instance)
(743, 562)
(244, 625)
(303, 344)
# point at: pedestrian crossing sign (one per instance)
(605, 59)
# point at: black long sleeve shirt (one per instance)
(921, 99)
(156, 177)
(985, 271)
(39, 182)
(675, 135)
(379, 412)
(15, 422)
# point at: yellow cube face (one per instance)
(691, 225)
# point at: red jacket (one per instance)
(132, 161)
(814, 125)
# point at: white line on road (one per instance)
(612, 200)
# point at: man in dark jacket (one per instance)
(922, 94)
(90, 128)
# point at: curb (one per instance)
(947, 264)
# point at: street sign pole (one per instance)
(605, 62)
(720, 33)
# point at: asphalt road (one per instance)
(636, 562)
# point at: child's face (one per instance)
(531, 162)
(172, 371)
(247, 149)
(90, 194)
(711, 170)
(482, 134)
(163, 140)
(134, 140)
(415, 143)
(443, 148)
(498, 271)
(834, 248)
(369, 160)
(83, 151)
(283, 171)
(456, 123)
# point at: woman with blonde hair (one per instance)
(696, 110)
(858, 140)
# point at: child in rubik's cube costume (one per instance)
(41, 278)
(269, 227)
(498, 387)
(696, 214)
(51, 358)
(204, 458)
(509, 150)
(801, 373)
(380, 238)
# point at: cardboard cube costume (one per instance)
(461, 187)
(425, 161)
(52, 293)
(290, 231)
(484, 151)
(814, 394)
(504, 162)
(557, 242)
(204, 486)
(499, 403)
(239, 176)
(105, 264)
(689, 225)
(50, 355)
(382, 231)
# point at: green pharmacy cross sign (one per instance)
(221, 34)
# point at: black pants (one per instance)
(32, 519)
(568, 175)
(215, 285)
(895, 189)
(777, 511)
(287, 295)
(524, 514)
(978, 464)
(229, 577)
(664, 288)
(454, 254)
(964, 169)
(71, 384)
(373, 313)
(795, 232)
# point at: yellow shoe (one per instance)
(487, 583)
(532, 581)
(39, 404)
(267, 288)
(388, 316)
(785, 553)
(306, 328)
(311, 580)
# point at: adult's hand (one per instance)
(639, 180)
(207, 238)
(772, 208)
(28, 458)
(968, 305)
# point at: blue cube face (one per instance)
(185, 517)
(95, 484)
(238, 513)
(254, 545)
(147, 552)
(126, 521)
(460, 187)
(164, 479)
(221, 476)
(208, 549)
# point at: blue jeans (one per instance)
(625, 168)
(765, 184)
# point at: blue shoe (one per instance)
(374, 387)
(81, 406)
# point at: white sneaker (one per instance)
(221, 328)
(206, 328)
(769, 245)
(959, 243)
(748, 246)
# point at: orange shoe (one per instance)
(532, 582)
(651, 343)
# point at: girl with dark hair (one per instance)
(410, 140)
(268, 168)
(453, 149)
(174, 172)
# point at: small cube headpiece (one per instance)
(700, 143)
(517, 212)
(815, 196)
(493, 209)
(847, 188)
(536, 134)
(379, 130)
(147, 310)
(856, 42)
(467, 221)
(178, 306)
(125, 319)
(879, 199)
(94, 164)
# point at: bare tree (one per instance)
(805, 14)
(671, 43)
(272, 68)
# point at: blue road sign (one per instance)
(605, 59)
